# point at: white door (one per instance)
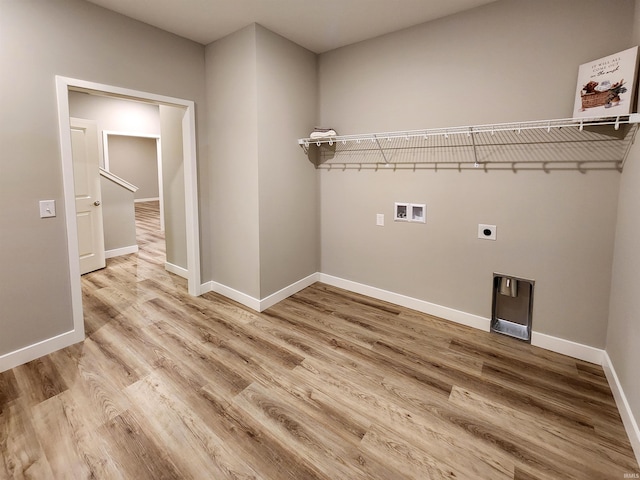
(86, 179)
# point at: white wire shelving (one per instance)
(583, 144)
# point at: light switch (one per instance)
(47, 208)
(380, 219)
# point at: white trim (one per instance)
(175, 269)
(242, 298)
(567, 347)
(116, 252)
(129, 134)
(63, 84)
(140, 200)
(266, 302)
(295, 287)
(447, 313)
(628, 420)
(191, 197)
(116, 179)
(554, 344)
(19, 357)
(160, 182)
(64, 126)
(558, 345)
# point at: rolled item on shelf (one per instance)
(320, 132)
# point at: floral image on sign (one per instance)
(605, 86)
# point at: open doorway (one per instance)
(120, 148)
(180, 111)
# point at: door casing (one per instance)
(63, 85)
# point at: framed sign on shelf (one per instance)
(606, 86)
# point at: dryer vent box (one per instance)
(512, 306)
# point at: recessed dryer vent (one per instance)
(512, 306)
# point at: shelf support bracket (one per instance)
(475, 151)
(375, 137)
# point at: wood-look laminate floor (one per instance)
(325, 385)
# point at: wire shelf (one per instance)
(562, 143)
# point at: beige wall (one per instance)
(261, 91)
(118, 215)
(135, 159)
(38, 40)
(115, 115)
(507, 61)
(512, 60)
(623, 334)
(287, 100)
(232, 130)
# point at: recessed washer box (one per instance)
(418, 213)
(401, 212)
(410, 212)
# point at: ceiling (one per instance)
(318, 25)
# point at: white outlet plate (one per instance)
(487, 232)
(380, 219)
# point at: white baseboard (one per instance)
(555, 344)
(39, 349)
(628, 419)
(140, 200)
(254, 303)
(280, 295)
(567, 347)
(447, 313)
(559, 345)
(242, 298)
(175, 269)
(116, 252)
(548, 342)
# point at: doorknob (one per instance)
(97, 203)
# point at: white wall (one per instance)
(508, 61)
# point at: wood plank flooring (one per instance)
(324, 385)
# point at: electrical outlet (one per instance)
(380, 219)
(487, 232)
